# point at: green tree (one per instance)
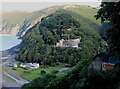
(40, 82)
(110, 12)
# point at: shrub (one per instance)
(54, 71)
(13, 68)
(26, 68)
(43, 72)
(27, 71)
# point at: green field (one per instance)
(85, 16)
(36, 72)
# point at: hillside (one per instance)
(83, 75)
(87, 14)
(39, 42)
(80, 76)
(13, 22)
(18, 22)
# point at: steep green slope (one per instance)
(38, 43)
(85, 15)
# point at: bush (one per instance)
(40, 82)
(27, 71)
(26, 68)
(54, 71)
(43, 72)
(58, 83)
(13, 68)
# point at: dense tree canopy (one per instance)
(39, 42)
(83, 76)
(110, 12)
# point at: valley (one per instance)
(24, 25)
(62, 47)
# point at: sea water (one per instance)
(7, 42)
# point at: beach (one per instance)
(7, 82)
(5, 54)
(8, 52)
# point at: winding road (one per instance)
(9, 78)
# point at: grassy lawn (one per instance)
(6, 70)
(36, 72)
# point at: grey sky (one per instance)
(34, 6)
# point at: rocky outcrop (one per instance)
(25, 25)
(6, 30)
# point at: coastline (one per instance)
(6, 53)
(7, 80)
(6, 35)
